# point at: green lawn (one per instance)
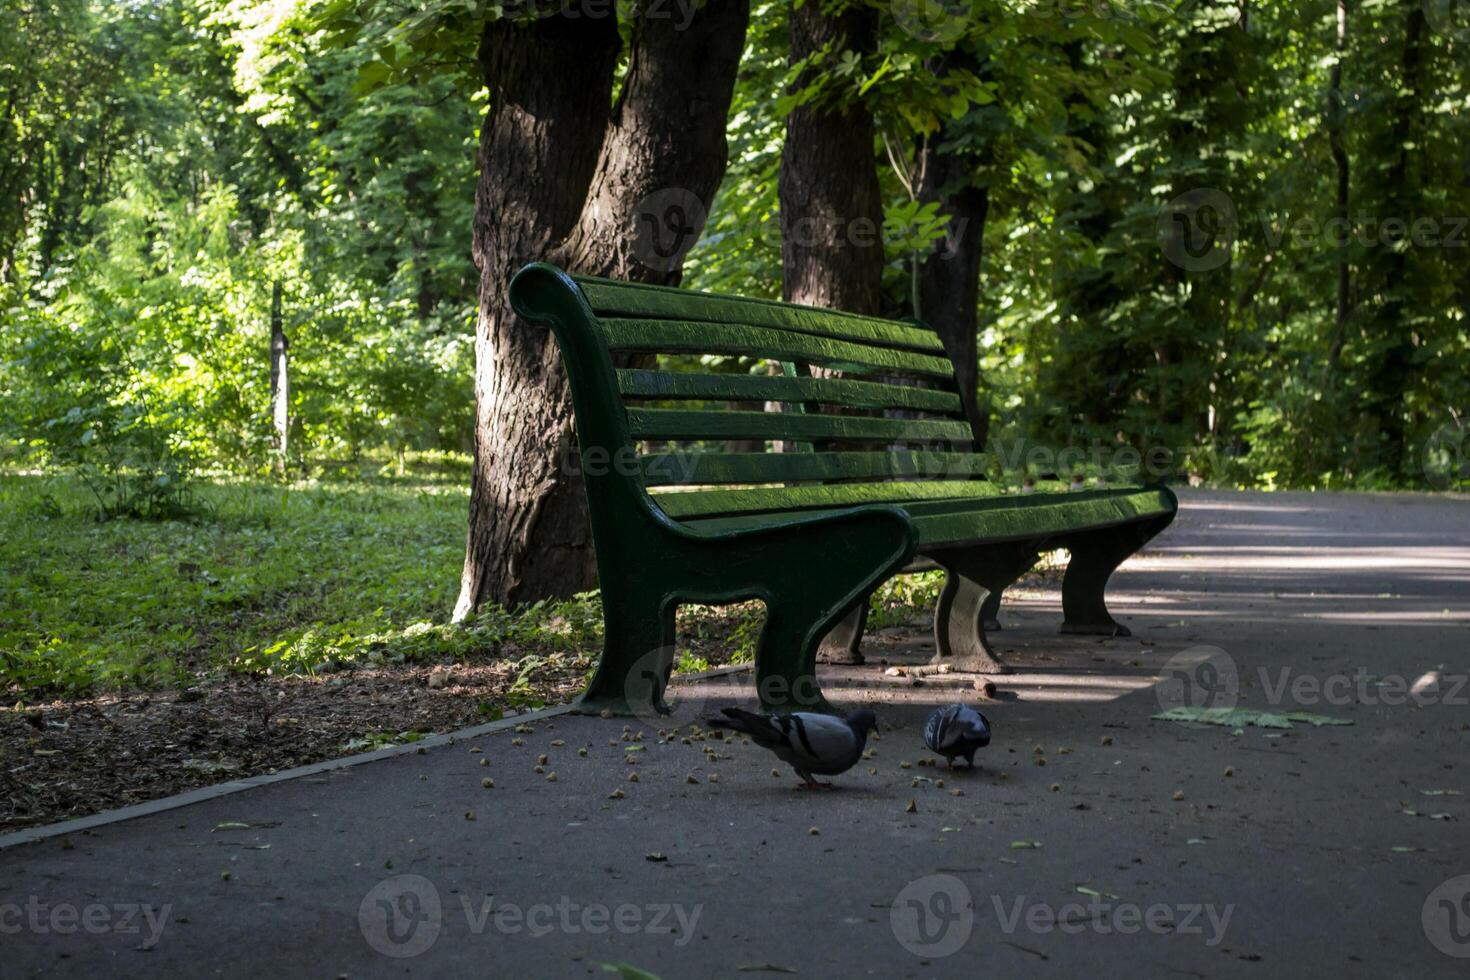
(309, 578)
(300, 578)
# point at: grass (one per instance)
(306, 578)
(302, 578)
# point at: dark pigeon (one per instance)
(812, 744)
(957, 729)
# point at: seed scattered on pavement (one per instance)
(691, 778)
(813, 831)
(616, 794)
(469, 814)
(1056, 787)
(488, 783)
(484, 761)
(551, 777)
(911, 808)
(1178, 794)
(517, 741)
(632, 777)
(1107, 740)
(582, 751)
(1229, 770)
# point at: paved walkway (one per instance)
(1153, 848)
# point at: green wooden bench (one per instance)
(856, 496)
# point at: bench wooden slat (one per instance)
(687, 504)
(629, 300)
(673, 469)
(688, 337)
(760, 387)
(664, 423)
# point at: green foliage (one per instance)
(164, 164)
(238, 154)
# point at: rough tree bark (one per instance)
(948, 288)
(564, 175)
(1337, 137)
(1388, 380)
(831, 205)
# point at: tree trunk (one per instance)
(1338, 140)
(947, 294)
(831, 205)
(280, 379)
(1388, 381)
(564, 177)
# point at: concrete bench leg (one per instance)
(974, 580)
(1094, 557)
(841, 645)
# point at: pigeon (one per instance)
(810, 743)
(956, 729)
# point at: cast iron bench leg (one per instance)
(1094, 557)
(974, 580)
(803, 604)
(637, 654)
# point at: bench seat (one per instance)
(945, 523)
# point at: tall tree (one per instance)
(563, 178)
(952, 173)
(831, 203)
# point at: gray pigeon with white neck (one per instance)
(812, 744)
(956, 729)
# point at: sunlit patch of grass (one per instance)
(306, 577)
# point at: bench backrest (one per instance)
(839, 446)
